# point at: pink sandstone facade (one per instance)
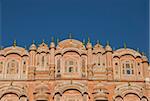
(73, 71)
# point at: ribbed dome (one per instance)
(144, 58)
(52, 45)
(2, 52)
(89, 45)
(43, 47)
(32, 47)
(97, 46)
(108, 48)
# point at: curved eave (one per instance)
(63, 51)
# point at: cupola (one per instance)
(43, 47)
(89, 45)
(98, 47)
(108, 47)
(32, 47)
(52, 44)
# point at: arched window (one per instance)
(128, 68)
(70, 62)
(10, 97)
(83, 65)
(116, 67)
(65, 66)
(24, 67)
(70, 69)
(71, 66)
(138, 67)
(12, 67)
(1, 67)
(42, 60)
(123, 71)
(98, 59)
(58, 65)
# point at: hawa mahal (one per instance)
(72, 70)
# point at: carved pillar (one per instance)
(23, 99)
(52, 71)
(144, 99)
(89, 59)
(85, 97)
(109, 65)
(90, 71)
(118, 99)
(31, 73)
(109, 73)
(52, 58)
(57, 97)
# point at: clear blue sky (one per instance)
(118, 21)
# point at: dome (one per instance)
(52, 45)
(15, 50)
(70, 43)
(98, 48)
(32, 47)
(43, 47)
(123, 51)
(2, 52)
(144, 57)
(108, 48)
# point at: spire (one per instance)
(57, 40)
(89, 45)
(125, 46)
(52, 39)
(43, 41)
(52, 45)
(25, 47)
(14, 43)
(83, 41)
(143, 53)
(70, 35)
(88, 39)
(107, 43)
(1, 47)
(108, 47)
(33, 41)
(97, 41)
(137, 49)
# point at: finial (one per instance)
(88, 39)
(25, 47)
(114, 48)
(97, 41)
(14, 43)
(83, 41)
(57, 40)
(125, 46)
(70, 35)
(107, 42)
(33, 41)
(137, 49)
(43, 41)
(1, 47)
(52, 39)
(143, 53)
